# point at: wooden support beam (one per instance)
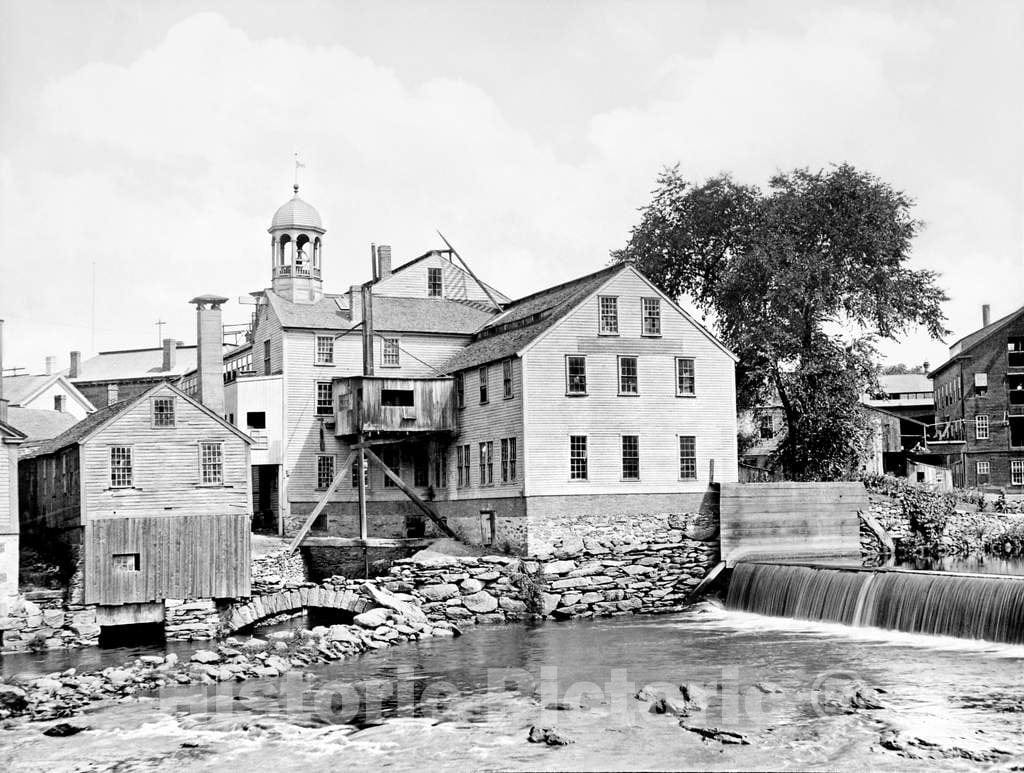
(427, 509)
(370, 542)
(340, 475)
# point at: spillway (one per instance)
(973, 606)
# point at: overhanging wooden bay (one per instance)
(371, 405)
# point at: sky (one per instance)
(144, 146)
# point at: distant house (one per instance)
(47, 393)
(118, 375)
(979, 406)
(10, 439)
(910, 397)
(150, 497)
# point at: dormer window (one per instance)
(163, 411)
(435, 283)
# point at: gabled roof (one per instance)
(960, 348)
(94, 422)
(898, 383)
(10, 434)
(502, 298)
(39, 424)
(128, 364)
(19, 390)
(526, 319)
(390, 313)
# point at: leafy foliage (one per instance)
(801, 281)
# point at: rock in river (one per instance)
(548, 736)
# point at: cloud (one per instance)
(165, 169)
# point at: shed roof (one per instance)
(905, 382)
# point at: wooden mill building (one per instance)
(503, 419)
(10, 440)
(150, 497)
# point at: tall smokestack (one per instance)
(383, 261)
(51, 363)
(170, 353)
(355, 303)
(210, 351)
(986, 315)
(76, 365)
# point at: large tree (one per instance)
(801, 280)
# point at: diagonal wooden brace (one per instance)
(342, 473)
(426, 508)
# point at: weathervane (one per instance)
(298, 165)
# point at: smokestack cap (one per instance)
(214, 301)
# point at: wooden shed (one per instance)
(153, 497)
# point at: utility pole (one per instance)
(160, 331)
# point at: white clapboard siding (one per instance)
(8, 488)
(268, 327)
(165, 480)
(411, 282)
(420, 356)
(656, 414)
(499, 418)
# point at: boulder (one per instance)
(547, 735)
(714, 734)
(205, 656)
(389, 600)
(119, 676)
(373, 618)
(480, 603)
(549, 602)
(12, 698)
(559, 567)
(471, 586)
(511, 605)
(439, 592)
(62, 730)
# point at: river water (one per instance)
(468, 703)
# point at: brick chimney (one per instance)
(384, 261)
(210, 351)
(986, 315)
(51, 363)
(76, 365)
(170, 354)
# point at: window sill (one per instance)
(212, 485)
(616, 334)
(323, 364)
(688, 480)
(630, 480)
(509, 397)
(577, 394)
(579, 480)
(650, 335)
(484, 402)
(688, 396)
(628, 394)
(391, 365)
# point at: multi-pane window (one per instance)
(325, 470)
(578, 457)
(366, 473)
(392, 458)
(981, 427)
(462, 463)
(324, 398)
(686, 377)
(266, 357)
(631, 457)
(390, 354)
(575, 374)
(609, 314)
(421, 468)
(441, 468)
(460, 391)
(211, 464)
(324, 350)
(125, 562)
(163, 411)
(508, 459)
(506, 378)
(484, 378)
(435, 288)
(983, 470)
(1017, 472)
(687, 457)
(628, 382)
(487, 463)
(121, 467)
(767, 427)
(651, 316)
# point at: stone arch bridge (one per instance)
(267, 605)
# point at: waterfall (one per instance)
(967, 606)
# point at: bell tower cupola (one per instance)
(296, 247)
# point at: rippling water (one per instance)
(469, 703)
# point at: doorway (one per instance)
(265, 505)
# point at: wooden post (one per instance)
(367, 299)
(361, 484)
(311, 518)
(423, 506)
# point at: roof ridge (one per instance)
(577, 280)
